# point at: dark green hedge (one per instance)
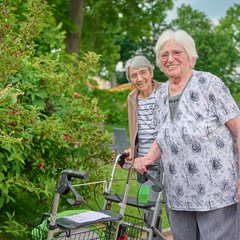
(114, 104)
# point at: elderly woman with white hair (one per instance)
(198, 140)
(141, 103)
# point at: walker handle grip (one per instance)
(65, 180)
(121, 159)
(75, 174)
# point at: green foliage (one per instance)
(230, 24)
(12, 227)
(114, 104)
(114, 29)
(216, 46)
(47, 124)
(36, 22)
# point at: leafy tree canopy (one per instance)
(216, 44)
(109, 27)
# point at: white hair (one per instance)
(179, 36)
(137, 62)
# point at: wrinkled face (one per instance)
(141, 78)
(174, 60)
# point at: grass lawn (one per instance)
(119, 186)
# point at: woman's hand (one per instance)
(140, 164)
(238, 190)
(128, 152)
(234, 126)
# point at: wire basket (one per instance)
(134, 228)
(100, 231)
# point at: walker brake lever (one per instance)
(78, 200)
(141, 178)
(158, 187)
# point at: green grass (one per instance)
(119, 186)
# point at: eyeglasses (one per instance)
(174, 53)
(142, 73)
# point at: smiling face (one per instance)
(174, 61)
(141, 78)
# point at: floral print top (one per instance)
(199, 152)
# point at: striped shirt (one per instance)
(146, 131)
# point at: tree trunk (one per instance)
(75, 12)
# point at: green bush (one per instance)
(47, 124)
(114, 104)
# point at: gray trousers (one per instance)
(219, 224)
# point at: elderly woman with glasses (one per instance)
(198, 140)
(139, 72)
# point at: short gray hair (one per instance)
(181, 37)
(137, 62)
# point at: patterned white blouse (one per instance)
(199, 152)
